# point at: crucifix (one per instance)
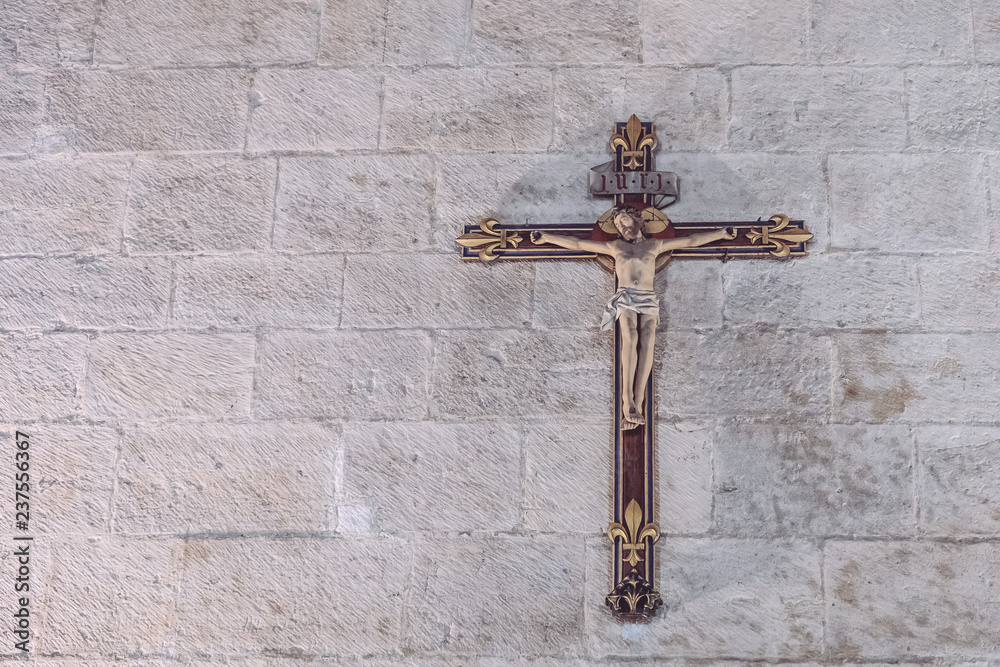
(633, 240)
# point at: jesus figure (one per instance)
(635, 303)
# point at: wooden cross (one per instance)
(639, 191)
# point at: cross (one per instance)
(633, 240)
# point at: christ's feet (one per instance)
(632, 419)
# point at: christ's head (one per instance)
(628, 222)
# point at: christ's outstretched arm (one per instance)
(696, 240)
(572, 243)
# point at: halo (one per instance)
(654, 221)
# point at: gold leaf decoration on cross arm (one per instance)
(490, 240)
(779, 236)
(633, 143)
(634, 537)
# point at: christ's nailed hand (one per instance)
(729, 233)
(536, 237)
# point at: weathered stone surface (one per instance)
(751, 600)
(916, 377)
(953, 108)
(247, 291)
(155, 376)
(513, 189)
(684, 477)
(106, 292)
(224, 478)
(497, 595)
(808, 108)
(40, 375)
(354, 204)
(140, 32)
(957, 490)
(43, 32)
(725, 31)
(371, 32)
(313, 110)
(907, 202)
(200, 204)
(986, 31)
(290, 597)
(800, 481)
(96, 583)
(570, 295)
(869, 292)
(70, 476)
(20, 109)
(511, 374)
(62, 205)
(603, 32)
(910, 598)
(149, 110)
(567, 470)
(435, 291)
(343, 375)
(750, 374)
(38, 566)
(589, 102)
(421, 475)
(960, 292)
(891, 32)
(467, 110)
(690, 295)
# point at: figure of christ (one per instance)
(634, 304)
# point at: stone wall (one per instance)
(275, 421)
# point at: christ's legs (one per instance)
(628, 324)
(644, 364)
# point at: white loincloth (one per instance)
(642, 301)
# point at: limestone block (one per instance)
(891, 32)
(354, 204)
(800, 481)
(911, 598)
(69, 477)
(514, 189)
(986, 31)
(437, 291)
(726, 31)
(567, 472)
(511, 374)
(42, 32)
(109, 596)
(536, 31)
(251, 290)
(155, 376)
(690, 295)
(570, 294)
(957, 490)
(824, 291)
(372, 32)
(62, 205)
(688, 106)
(960, 292)
(40, 375)
(20, 109)
(103, 292)
(200, 204)
(915, 202)
(684, 477)
(468, 110)
(429, 476)
(953, 108)
(143, 32)
(808, 108)
(313, 110)
(149, 110)
(496, 595)
(292, 597)
(750, 374)
(225, 478)
(343, 375)
(745, 599)
(915, 377)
